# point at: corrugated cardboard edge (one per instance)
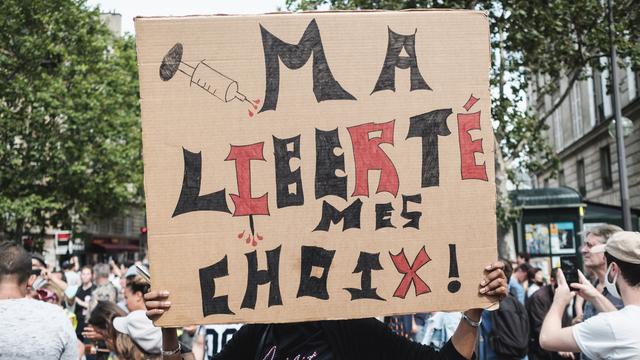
(480, 12)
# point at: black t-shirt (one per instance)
(303, 341)
(81, 312)
(330, 340)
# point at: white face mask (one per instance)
(611, 285)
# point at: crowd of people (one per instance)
(105, 311)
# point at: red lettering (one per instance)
(244, 203)
(410, 275)
(468, 147)
(369, 156)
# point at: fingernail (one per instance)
(483, 290)
(164, 293)
(483, 283)
(488, 267)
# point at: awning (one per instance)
(603, 213)
(560, 197)
(111, 247)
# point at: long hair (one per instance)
(102, 317)
(124, 347)
(127, 349)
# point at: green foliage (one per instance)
(69, 114)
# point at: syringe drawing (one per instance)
(204, 76)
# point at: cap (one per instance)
(39, 257)
(625, 246)
(141, 330)
(133, 271)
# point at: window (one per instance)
(557, 130)
(576, 110)
(582, 183)
(605, 168)
(561, 181)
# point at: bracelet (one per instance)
(172, 352)
(473, 324)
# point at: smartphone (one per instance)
(144, 273)
(569, 266)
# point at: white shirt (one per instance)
(215, 337)
(73, 278)
(31, 329)
(610, 335)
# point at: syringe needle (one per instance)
(240, 96)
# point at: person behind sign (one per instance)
(612, 334)
(339, 339)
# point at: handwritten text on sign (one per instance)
(302, 157)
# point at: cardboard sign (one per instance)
(317, 165)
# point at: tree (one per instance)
(69, 114)
(561, 39)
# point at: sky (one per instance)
(132, 8)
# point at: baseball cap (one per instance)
(141, 330)
(625, 246)
(133, 271)
(39, 257)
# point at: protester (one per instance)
(103, 328)
(82, 298)
(104, 291)
(504, 332)
(536, 281)
(72, 277)
(137, 326)
(612, 334)
(39, 268)
(523, 258)
(595, 263)
(344, 339)
(29, 329)
(518, 282)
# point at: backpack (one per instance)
(510, 336)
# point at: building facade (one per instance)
(582, 134)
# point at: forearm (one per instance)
(198, 347)
(464, 339)
(602, 304)
(170, 343)
(58, 282)
(552, 325)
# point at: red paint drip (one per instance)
(250, 113)
(255, 107)
(248, 239)
(254, 243)
(241, 235)
(260, 237)
(256, 101)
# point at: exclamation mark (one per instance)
(454, 285)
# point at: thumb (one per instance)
(578, 286)
(582, 278)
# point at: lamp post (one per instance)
(615, 99)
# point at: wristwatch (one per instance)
(471, 322)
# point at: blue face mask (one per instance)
(611, 285)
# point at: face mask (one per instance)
(611, 285)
